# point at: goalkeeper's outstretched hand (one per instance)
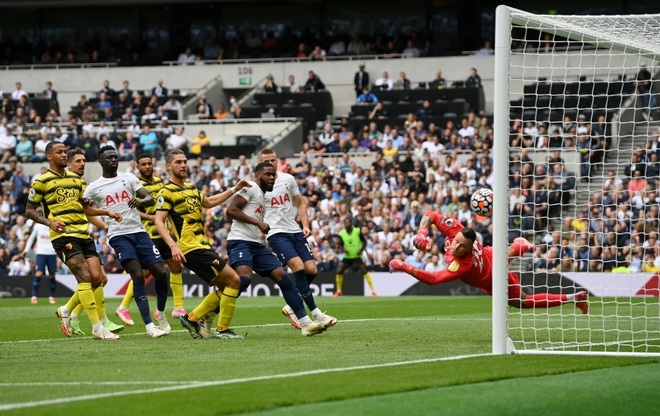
(421, 242)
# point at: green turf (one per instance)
(386, 356)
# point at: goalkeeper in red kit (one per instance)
(470, 262)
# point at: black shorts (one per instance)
(163, 248)
(67, 247)
(353, 262)
(205, 263)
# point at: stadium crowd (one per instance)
(411, 167)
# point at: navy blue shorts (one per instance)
(136, 246)
(47, 261)
(287, 246)
(255, 255)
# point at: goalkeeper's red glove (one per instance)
(421, 241)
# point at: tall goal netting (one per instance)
(577, 163)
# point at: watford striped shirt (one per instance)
(184, 205)
(153, 188)
(60, 200)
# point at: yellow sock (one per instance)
(77, 310)
(128, 297)
(227, 306)
(176, 284)
(99, 297)
(339, 281)
(86, 296)
(370, 282)
(73, 301)
(209, 303)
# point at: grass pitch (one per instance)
(386, 356)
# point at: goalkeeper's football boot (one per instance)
(582, 301)
(113, 327)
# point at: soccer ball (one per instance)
(481, 202)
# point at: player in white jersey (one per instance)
(46, 258)
(247, 253)
(123, 193)
(287, 239)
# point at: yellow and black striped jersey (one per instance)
(153, 188)
(184, 205)
(60, 199)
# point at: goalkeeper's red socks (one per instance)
(544, 300)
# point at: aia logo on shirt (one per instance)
(112, 199)
(260, 212)
(279, 200)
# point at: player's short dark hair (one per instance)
(50, 145)
(106, 149)
(263, 165)
(144, 155)
(469, 233)
(72, 153)
(172, 153)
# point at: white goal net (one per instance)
(577, 165)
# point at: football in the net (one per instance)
(481, 202)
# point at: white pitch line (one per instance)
(66, 400)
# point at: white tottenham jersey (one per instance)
(40, 233)
(255, 208)
(280, 210)
(113, 194)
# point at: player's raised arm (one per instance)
(218, 199)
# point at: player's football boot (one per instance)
(315, 327)
(125, 316)
(156, 332)
(582, 301)
(288, 312)
(65, 321)
(191, 326)
(104, 334)
(324, 316)
(113, 327)
(178, 312)
(161, 321)
(206, 325)
(226, 334)
(75, 327)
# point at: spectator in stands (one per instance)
(410, 51)
(438, 82)
(361, 80)
(24, 148)
(159, 90)
(103, 102)
(109, 92)
(485, 50)
(270, 85)
(426, 110)
(126, 90)
(149, 142)
(314, 83)
(7, 145)
(391, 51)
(172, 104)
(384, 83)
(644, 84)
(186, 57)
(222, 112)
(18, 92)
(199, 143)
(292, 85)
(474, 80)
(49, 92)
(366, 98)
(177, 140)
(40, 148)
(317, 54)
(378, 112)
(356, 45)
(403, 82)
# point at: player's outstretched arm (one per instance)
(218, 199)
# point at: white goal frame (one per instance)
(646, 44)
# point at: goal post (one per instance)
(567, 105)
